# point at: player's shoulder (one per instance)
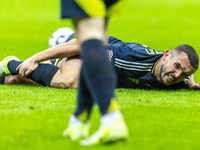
(143, 49)
(114, 40)
(134, 47)
(71, 37)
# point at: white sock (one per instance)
(111, 117)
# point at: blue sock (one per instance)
(98, 75)
(42, 75)
(2, 80)
(85, 102)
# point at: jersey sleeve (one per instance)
(114, 40)
(70, 37)
(186, 80)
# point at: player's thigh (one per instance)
(90, 28)
(70, 67)
(61, 62)
(68, 75)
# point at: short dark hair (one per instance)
(191, 53)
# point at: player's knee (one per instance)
(71, 83)
(13, 79)
(66, 83)
(74, 84)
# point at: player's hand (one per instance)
(27, 67)
(196, 86)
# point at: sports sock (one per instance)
(84, 102)
(2, 80)
(98, 75)
(43, 74)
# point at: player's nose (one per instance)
(178, 74)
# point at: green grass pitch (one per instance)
(33, 118)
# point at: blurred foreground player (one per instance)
(97, 78)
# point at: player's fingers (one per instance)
(22, 71)
(17, 67)
(28, 72)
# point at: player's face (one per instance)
(176, 69)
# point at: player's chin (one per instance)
(167, 83)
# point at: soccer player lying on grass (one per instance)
(137, 66)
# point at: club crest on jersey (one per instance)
(110, 54)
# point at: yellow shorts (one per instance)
(91, 8)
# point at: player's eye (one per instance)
(177, 66)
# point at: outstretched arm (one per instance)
(59, 51)
(192, 85)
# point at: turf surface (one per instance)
(34, 117)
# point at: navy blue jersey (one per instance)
(135, 64)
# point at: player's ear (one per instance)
(166, 55)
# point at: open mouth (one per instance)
(171, 78)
